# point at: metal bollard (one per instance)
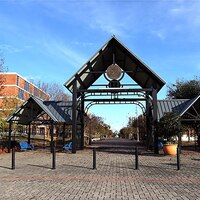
(136, 158)
(53, 156)
(13, 157)
(178, 159)
(94, 158)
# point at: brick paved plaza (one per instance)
(115, 176)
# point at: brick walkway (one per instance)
(115, 176)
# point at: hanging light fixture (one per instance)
(114, 71)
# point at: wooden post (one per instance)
(53, 155)
(29, 133)
(178, 159)
(9, 136)
(13, 157)
(155, 119)
(51, 132)
(94, 158)
(63, 135)
(149, 139)
(179, 137)
(74, 116)
(82, 122)
(136, 158)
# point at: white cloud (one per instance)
(175, 18)
(111, 18)
(188, 13)
(159, 33)
(176, 11)
(32, 78)
(85, 44)
(13, 49)
(59, 50)
(106, 17)
(9, 48)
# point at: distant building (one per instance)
(15, 90)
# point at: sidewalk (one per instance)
(115, 177)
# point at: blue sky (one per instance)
(50, 40)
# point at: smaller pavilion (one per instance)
(188, 111)
(38, 112)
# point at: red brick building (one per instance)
(15, 90)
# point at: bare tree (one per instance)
(42, 85)
(1, 64)
(2, 78)
(2, 81)
(55, 91)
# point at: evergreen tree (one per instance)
(184, 89)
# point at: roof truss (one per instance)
(115, 51)
(34, 110)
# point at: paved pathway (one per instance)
(115, 177)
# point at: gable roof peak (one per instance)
(125, 59)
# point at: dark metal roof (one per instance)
(192, 102)
(61, 110)
(45, 108)
(128, 62)
(58, 111)
(172, 105)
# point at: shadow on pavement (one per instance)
(78, 166)
(115, 166)
(115, 150)
(5, 167)
(40, 166)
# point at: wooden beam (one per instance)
(80, 81)
(74, 116)
(9, 136)
(51, 133)
(155, 119)
(29, 133)
(82, 122)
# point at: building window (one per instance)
(17, 83)
(35, 92)
(34, 130)
(42, 131)
(26, 86)
(21, 94)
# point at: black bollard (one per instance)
(178, 159)
(136, 158)
(13, 157)
(94, 158)
(53, 156)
